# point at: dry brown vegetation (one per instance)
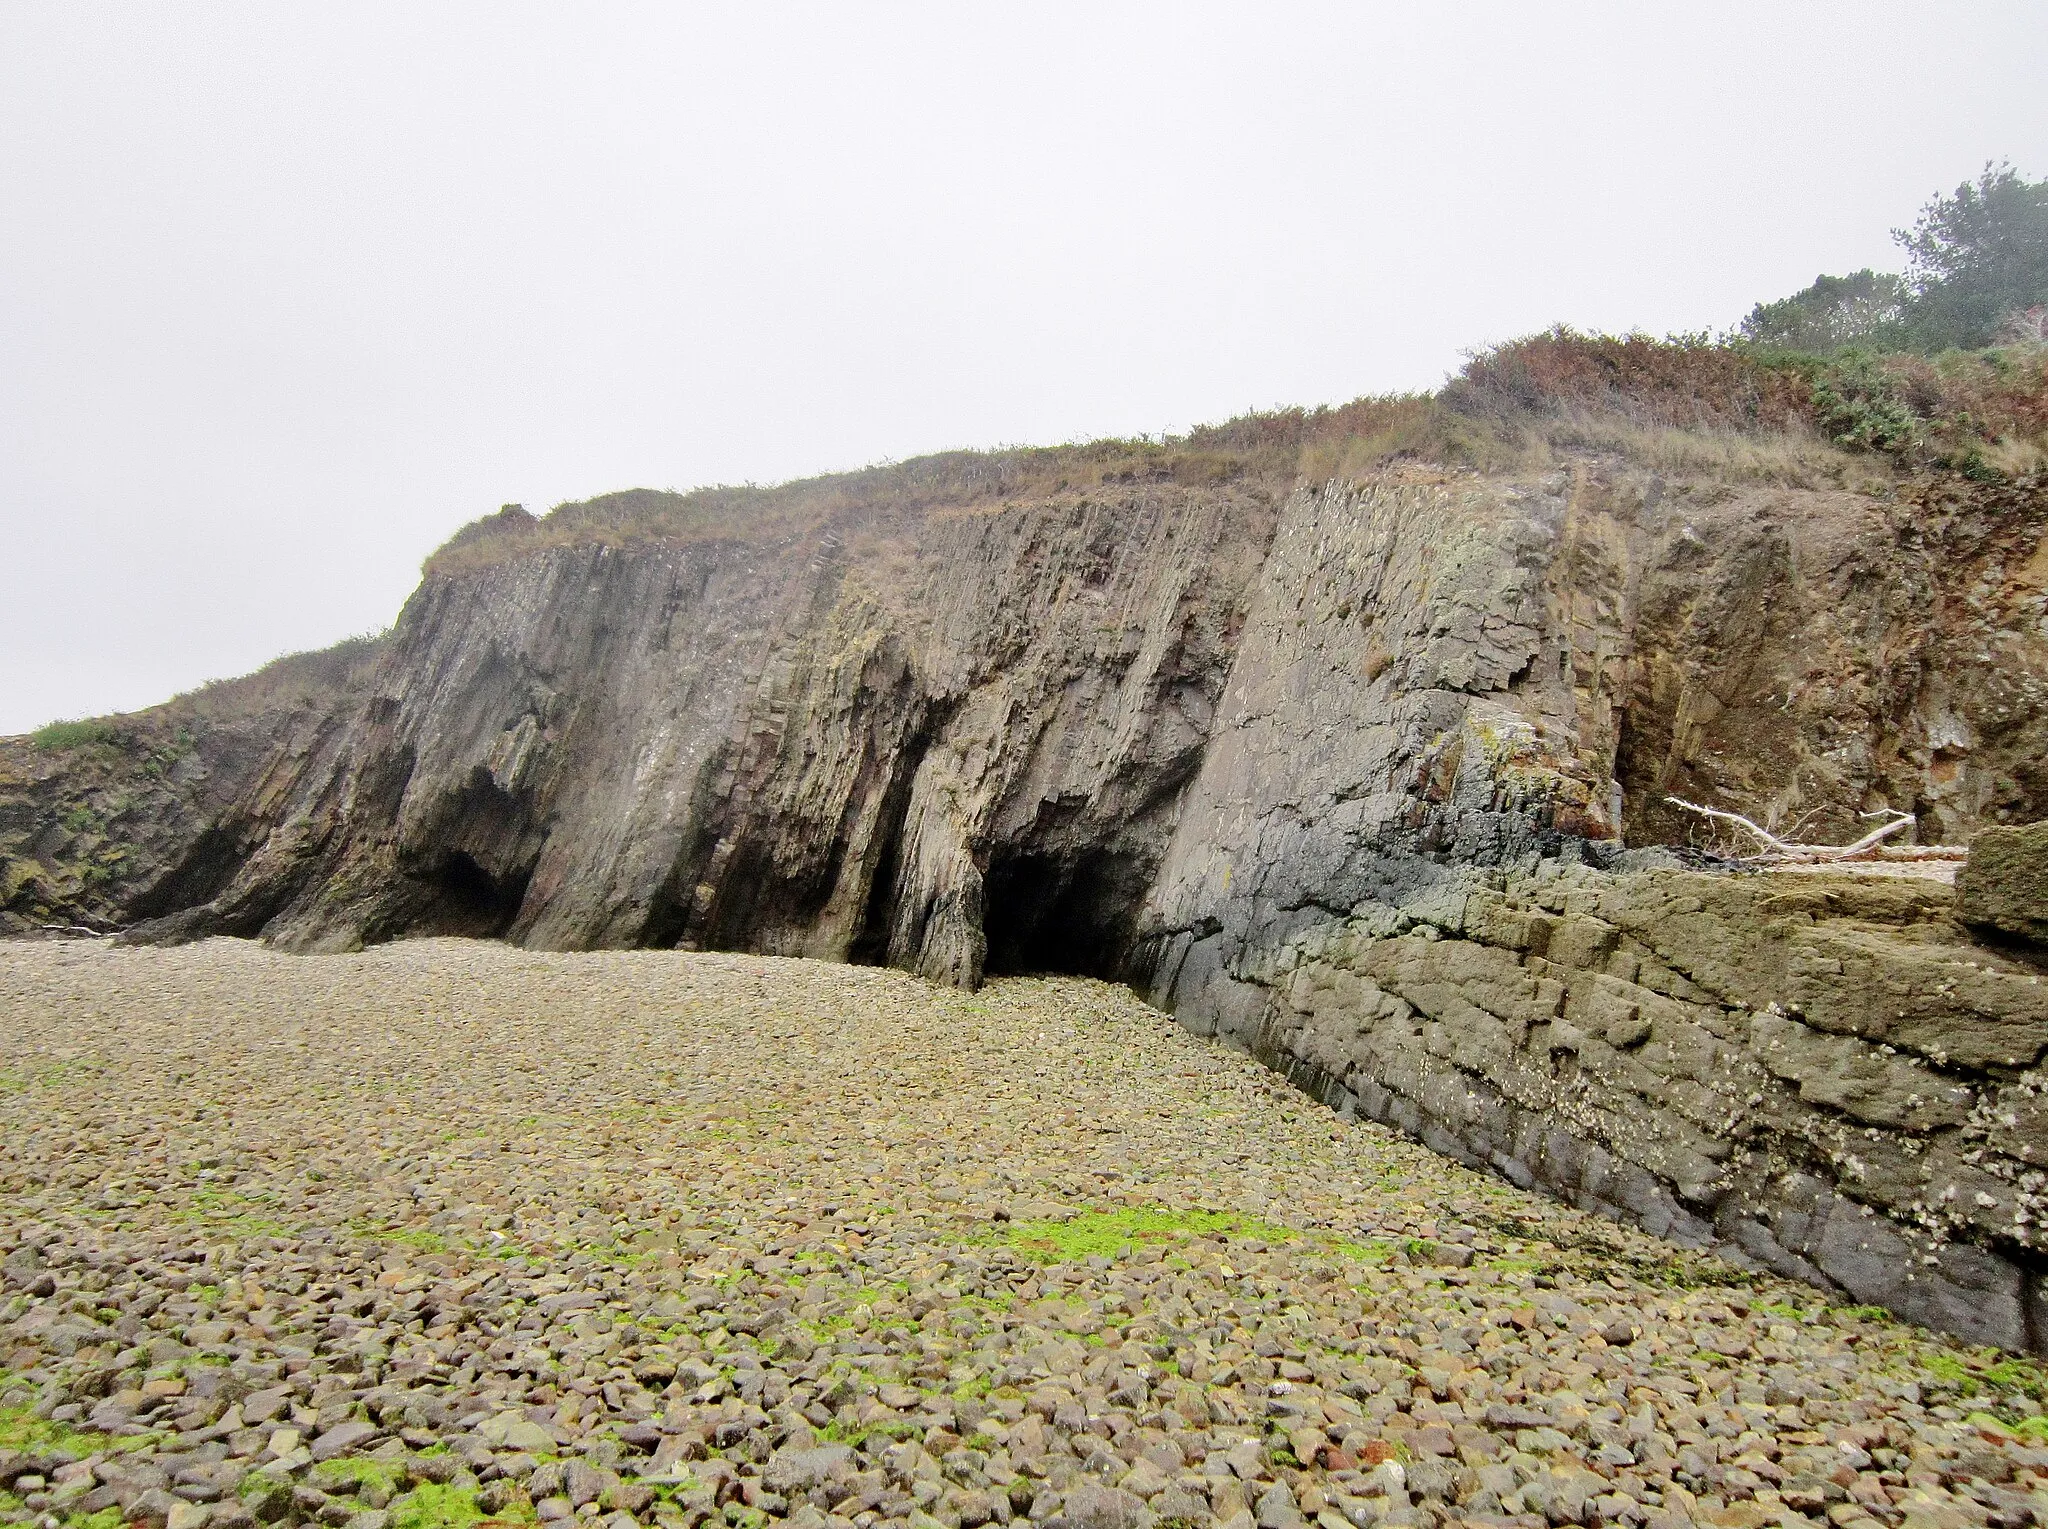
(293, 680)
(1685, 384)
(1686, 406)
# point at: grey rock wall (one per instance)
(1821, 1074)
(884, 741)
(1400, 875)
(1440, 672)
(1345, 775)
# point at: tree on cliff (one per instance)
(1977, 266)
(1865, 308)
(1979, 257)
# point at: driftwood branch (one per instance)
(1870, 840)
(1770, 841)
(1775, 848)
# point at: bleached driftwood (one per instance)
(1769, 840)
(1871, 844)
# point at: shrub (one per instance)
(1865, 308)
(1686, 405)
(1980, 412)
(1856, 402)
(1687, 382)
(75, 735)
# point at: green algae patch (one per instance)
(1986, 1372)
(358, 1471)
(1119, 1233)
(432, 1505)
(23, 1432)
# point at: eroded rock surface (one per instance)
(107, 822)
(1200, 732)
(847, 745)
(1440, 675)
(1440, 726)
(2004, 887)
(1822, 1074)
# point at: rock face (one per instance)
(2004, 887)
(952, 742)
(1819, 1072)
(105, 823)
(1399, 874)
(1342, 771)
(1436, 676)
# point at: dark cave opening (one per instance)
(198, 876)
(469, 900)
(1043, 914)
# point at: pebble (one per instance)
(447, 1229)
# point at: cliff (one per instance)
(107, 822)
(1356, 757)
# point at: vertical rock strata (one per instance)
(1343, 774)
(1399, 875)
(878, 741)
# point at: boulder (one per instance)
(799, 1470)
(508, 1430)
(1093, 1506)
(2004, 886)
(343, 1438)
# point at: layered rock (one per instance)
(104, 823)
(1400, 873)
(885, 739)
(1342, 771)
(1820, 1072)
(2003, 891)
(1439, 674)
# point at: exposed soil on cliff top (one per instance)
(449, 1229)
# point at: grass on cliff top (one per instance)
(1686, 406)
(84, 733)
(153, 739)
(295, 679)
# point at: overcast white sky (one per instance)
(287, 293)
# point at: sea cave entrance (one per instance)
(469, 900)
(1046, 914)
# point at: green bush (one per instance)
(1976, 258)
(75, 735)
(1856, 402)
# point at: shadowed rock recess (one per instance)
(1365, 774)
